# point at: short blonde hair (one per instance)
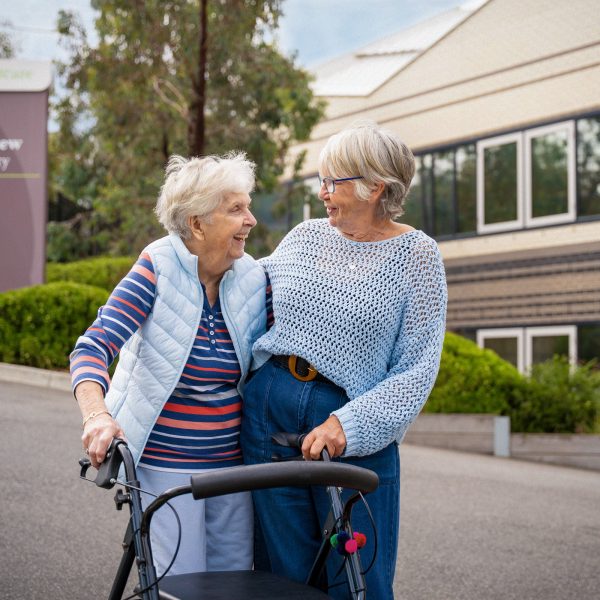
(197, 186)
(379, 156)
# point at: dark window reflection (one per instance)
(427, 186)
(544, 347)
(549, 178)
(588, 165)
(500, 183)
(588, 342)
(466, 188)
(505, 347)
(413, 207)
(443, 189)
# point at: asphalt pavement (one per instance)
(473, 527)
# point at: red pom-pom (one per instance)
(361, 539)
(351, 546)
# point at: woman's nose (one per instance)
(323, 191)
(250, 219)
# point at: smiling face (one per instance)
(220, 238)
(228, 226)
(345, 210)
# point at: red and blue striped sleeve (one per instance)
(123, 314)
(269, 304)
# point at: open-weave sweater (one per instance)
(370, 316)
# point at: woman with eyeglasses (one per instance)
(359, 303)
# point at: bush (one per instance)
(104, 272)
(39, 325)
(474, 380)
(559, 399)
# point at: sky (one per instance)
(313, 30)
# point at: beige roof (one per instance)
(362, 72)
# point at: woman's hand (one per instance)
(99, 428)
(98, 434)
(328, 434)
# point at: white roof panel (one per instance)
(362, 72)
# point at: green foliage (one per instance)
(474, 380)
(103, 272)
(555, 398)
(559, 399)
(144, 91)
(39, 325)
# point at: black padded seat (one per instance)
(234, 585)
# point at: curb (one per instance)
(54, 380)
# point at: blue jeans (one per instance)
(288, 521)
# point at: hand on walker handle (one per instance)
(328, 434)
(98, 433)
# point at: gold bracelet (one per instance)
(93, 415)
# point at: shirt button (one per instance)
(212, 324)
(212, 341)
(210, 317)
(212, 332)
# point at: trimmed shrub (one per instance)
(39, 325)
(103, 272)
(559, 399)
(474, 380)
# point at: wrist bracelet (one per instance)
(93, 415)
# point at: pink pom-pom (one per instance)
(351, 546)
(361, 539)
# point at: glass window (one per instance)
(427, 186)
(505, 347)
(588, 342)
(499, 183)
(550, 174)
(544, 347)
(466, 188)
(443, 189)
(413, 207)
(588, 159)
(549, 179)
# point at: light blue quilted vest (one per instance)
(152, 361)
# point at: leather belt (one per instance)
(300, 368)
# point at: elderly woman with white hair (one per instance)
(184, 320)
(359, 304)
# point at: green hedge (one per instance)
(473, 380)
(104, 272)
(39, 325)
(560, 399)
(555, 398)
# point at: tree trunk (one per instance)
(196, 119)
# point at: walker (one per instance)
(231, 585)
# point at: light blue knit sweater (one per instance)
(370, 316)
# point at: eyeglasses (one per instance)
(330, 182)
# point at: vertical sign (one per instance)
(23, 171)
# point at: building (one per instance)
(500, 101)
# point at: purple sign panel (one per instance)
(23, 187)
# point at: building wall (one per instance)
(510, 64)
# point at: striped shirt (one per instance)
(199, 426)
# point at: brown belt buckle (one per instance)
(312, 372)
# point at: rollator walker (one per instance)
(232, 585)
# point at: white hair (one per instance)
(197, 186)
(379, 156)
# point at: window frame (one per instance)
(498, 332)
(571, 214)
(482, 145)
(546, 331)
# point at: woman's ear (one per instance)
(376, 192)
(196, 227)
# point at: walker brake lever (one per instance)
(109, 469)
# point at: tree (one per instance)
(173, 77)
(7, 46)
